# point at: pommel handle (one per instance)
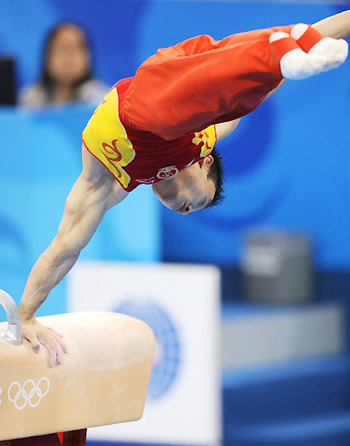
(13, 332)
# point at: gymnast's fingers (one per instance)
(54, 335)
(63, 346)
(28, 333)
(52, 352)
(57, 337)
(54, 349)
(61, 349)
(33, 343)
(35, 334)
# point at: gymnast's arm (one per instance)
(336, 26)
(93, 194)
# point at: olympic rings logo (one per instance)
(30, 392)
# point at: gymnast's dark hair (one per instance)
(216, 173)
(46, 80)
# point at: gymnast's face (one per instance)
(189, 190)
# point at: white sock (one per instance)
(298, 30)
(297, 64)
(278, 35)
(334, 52)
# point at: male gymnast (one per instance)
(160, 128)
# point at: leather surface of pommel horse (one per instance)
(103, 379)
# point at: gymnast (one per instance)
(160, 128)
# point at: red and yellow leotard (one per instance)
(134, 156)
(152, 125)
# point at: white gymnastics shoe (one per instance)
(299, 30)
(296, 64)
(333, 51)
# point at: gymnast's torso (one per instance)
(135, 156)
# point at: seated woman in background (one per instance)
(66, 76)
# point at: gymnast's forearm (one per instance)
(51, 267)
(336, 26)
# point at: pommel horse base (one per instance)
(73, 438)
(103, 379)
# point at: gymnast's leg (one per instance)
(199, 82)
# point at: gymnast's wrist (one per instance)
(26, 315)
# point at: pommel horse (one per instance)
(103, 380)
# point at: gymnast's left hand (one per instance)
(34, 334)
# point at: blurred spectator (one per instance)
(66, 75)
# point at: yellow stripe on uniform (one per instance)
(106, 138)
(208, 138)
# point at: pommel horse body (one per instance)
(103, 380)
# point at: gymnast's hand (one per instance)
(34, 334)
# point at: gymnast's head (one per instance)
(194, 188)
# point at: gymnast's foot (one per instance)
(313, 53)
(296, 63)
(333, 51)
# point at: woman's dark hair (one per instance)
(46, 81)
(216, 173)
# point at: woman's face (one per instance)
(69, 57)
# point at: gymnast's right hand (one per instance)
(34, 334)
